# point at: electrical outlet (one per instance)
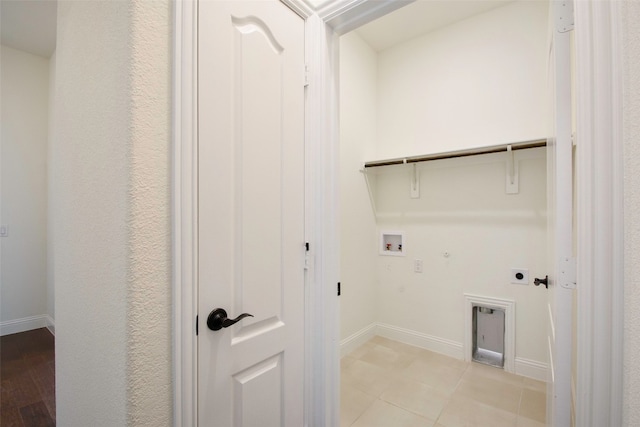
(519, 276)
(417, 266)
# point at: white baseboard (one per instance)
(417, 339)
(532, 369)
(22, 325)
(524, 367)
(51, 325)
(354, 341)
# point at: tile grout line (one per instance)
(448, 396)
(363, 412)
(520, 403)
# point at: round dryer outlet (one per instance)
(519, 276)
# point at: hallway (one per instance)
(386, 383)
(27, 372)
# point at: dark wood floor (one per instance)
(27, 372)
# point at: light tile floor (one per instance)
(385, 383)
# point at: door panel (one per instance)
(251, 212)
(253, 406)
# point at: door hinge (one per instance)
(306, 246)
(339, 289)
(565, 20)
(306, 75)
(196, 325)
(568, 273)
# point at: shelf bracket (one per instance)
(512, 173)
(415, 182)
(371, 196)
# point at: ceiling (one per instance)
(420, 17)
(29, 25)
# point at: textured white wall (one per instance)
(478, 82)
(631, 135)
(25, 97)
(90, 207)
(149, 272)
(112, 253)
(358, 95)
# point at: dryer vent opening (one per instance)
(488, 336)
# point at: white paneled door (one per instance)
(250, 214)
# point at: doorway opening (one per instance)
(402, 320)
(27, 314)
(587, 34)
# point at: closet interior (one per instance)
(444, 206)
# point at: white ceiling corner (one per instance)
(29, 25)
(421, 17)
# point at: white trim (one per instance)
(531, 369)
(299, 7)
(321, 149)
(346, 15)
(523, 367)
(406, 336)
(51, 324)
(418, 339)
(24, 324)
(184, 246)
(600, 317)
(355, 340)
(509, 308)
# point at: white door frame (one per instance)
(599, 399)
(184, 211)
(600, 232)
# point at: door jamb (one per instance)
(184, 213)
(600, 232)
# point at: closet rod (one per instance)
(461, 153)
